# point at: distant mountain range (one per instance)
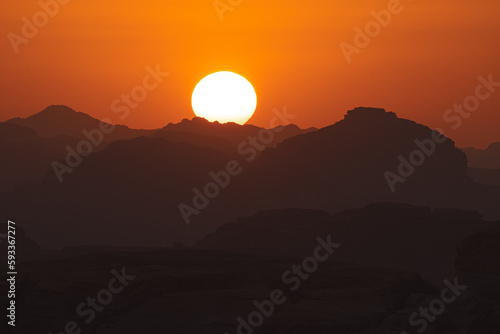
(60, 120)
(129, 191)
(404, 208)
(30, 145)
(484, 165)
(488, 158)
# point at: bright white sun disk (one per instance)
(224, 97)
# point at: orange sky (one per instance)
(91, 52)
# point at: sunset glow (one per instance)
(224, 97)
(428, 58)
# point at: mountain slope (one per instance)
(487, 159)
(348, 164)
(382, 235)
(233, 132)
(136, 186)
(61, 120)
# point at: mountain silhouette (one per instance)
(222, 285)
(119, 207)
(128, 182)
(345, 165)
(136, 186)
(61, 120)
(484, 165)
(216, 143)
(32, 144)
(485, 176)
(26, 156)
(391, 235)
(234, 133)
(225, 137)
(488, 158)
(206, 291)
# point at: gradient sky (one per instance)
(427, 59)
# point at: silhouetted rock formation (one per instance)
(194, 291)
(61, 120)
(479, 253)
(345, 165)
(232, 132)
(367, 115)
(30, 145)
(487, 159)
(381, 235)
(484, 165)
(479, 262)
(190, 291)
(127, 194)
(216, 143)
(485, 176)
(25, 156)
(135, 186)
(13, 133)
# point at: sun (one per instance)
(224, 97)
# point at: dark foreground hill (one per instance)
(282, 272)
(213, 292)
